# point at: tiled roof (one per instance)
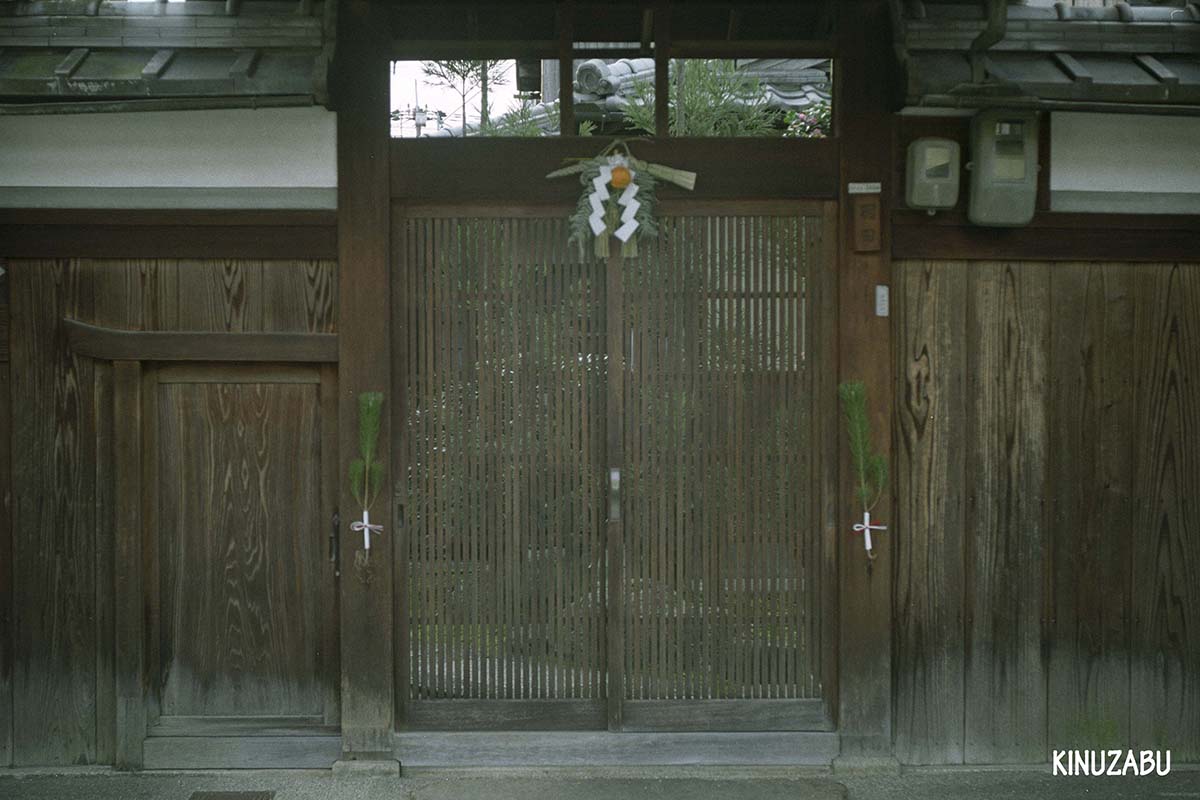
(1056, 56)
(104, 50)
(602, 87)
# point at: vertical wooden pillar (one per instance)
(615, 462)
(361, 86)
(662, 69)
(861, 106)
(129, 596)
(7, 619)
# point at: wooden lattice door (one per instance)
(611, 474)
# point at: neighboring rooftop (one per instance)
(1135, 57)
(259, 51)
(603, 88)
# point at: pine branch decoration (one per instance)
(366, 471)
(870, 468)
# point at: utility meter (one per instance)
(1004, 168)
(931, 181)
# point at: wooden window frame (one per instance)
(656, 41)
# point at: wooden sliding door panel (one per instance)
(500, 336)
(721, 548)
(681, 591)
(238, 537)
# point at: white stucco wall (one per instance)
(273, 157)
(1124, 162)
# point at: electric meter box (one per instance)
(1004, 168)
(931, 179)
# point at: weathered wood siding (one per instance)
(1048, 457)
(57, 678)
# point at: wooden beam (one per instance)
(157, 64)
(365, 365)
(863, 125)
(783, 48)
(1158, 69)
(478, 49)
(1051, 237)
(647, 31)
(433, 170)
(64, 233)
(565, 22)
(662, 69)
(111, 344)
(7, 622)
(1070, 65)
(129, 614)
(244, 65)
(68, 66)
(614, 466)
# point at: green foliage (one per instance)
(716, 99)
(870, 468)
(581, 231)
(464, 77)
(366, 472)
(521, 122)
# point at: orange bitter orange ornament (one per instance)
(621, 177)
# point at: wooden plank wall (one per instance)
(6, 573)
(62, 670)
(1048, 574)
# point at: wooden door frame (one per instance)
(862, 680)
(133, 355)
(820, 715)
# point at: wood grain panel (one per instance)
(4, 313)
(54, 559)
(7, 618)
(6, 543)
(443, 170)
(129, 606)
(1007, 333)
(239, 467)
(220, 296)
(365, 299)
(1089, 503)
(1165, 668)
(501, 356)
(722, 553)
(929, 648)
(299, 296)
(117, 301)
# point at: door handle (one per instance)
(335, 537)
(614, 494)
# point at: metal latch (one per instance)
(335, 543)
(614, 494)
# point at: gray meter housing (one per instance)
(1004, 168)
(931, 177)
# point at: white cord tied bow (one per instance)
(367, 528)
(865, 527)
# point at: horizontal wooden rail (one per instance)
(170, 233)
(488, 170)
(111, 344)
(1049, 237)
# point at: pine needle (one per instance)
(366, 472)
(357, 467)
(870, 469)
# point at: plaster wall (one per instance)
(1124, 163)
(276, 157)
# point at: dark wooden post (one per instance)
(865, 604)
(361, 87)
